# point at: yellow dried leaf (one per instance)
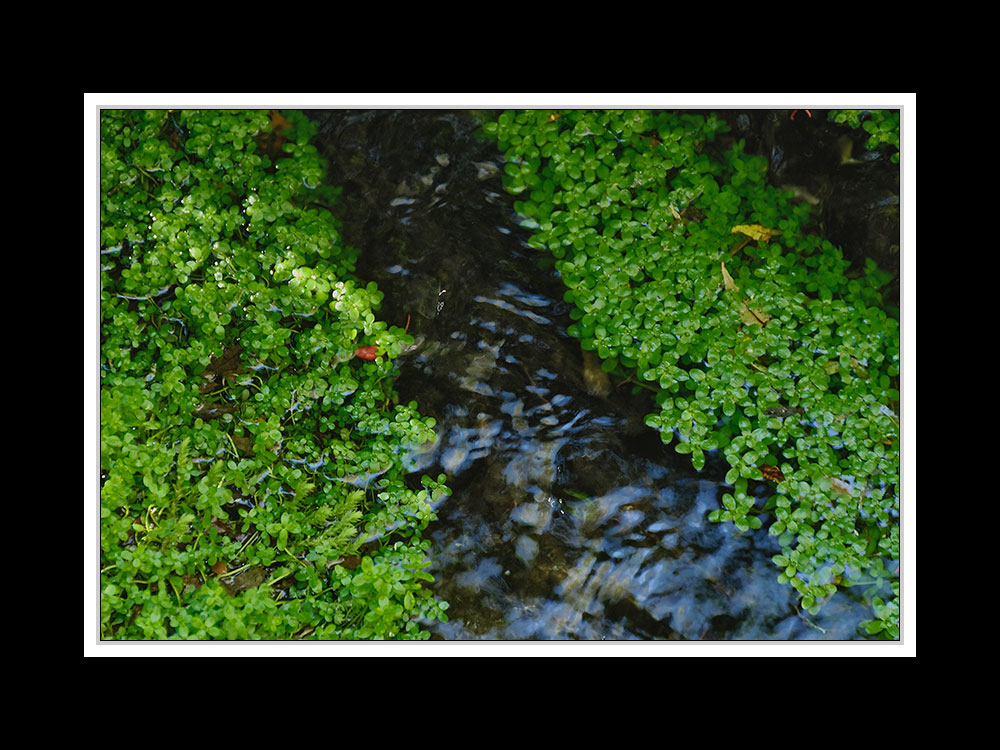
(753, 317)
(727, 280)
(755, 232)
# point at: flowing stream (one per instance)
(568, 518)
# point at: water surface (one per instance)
(568, 518)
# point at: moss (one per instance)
(252, 481)
(693, 276)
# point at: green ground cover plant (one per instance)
(882, 126)
(693, 277)
(253, 453)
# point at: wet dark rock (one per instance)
(862, 215)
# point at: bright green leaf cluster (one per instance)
(252, 478)
(882, 126)
(774, 352)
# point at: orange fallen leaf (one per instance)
(219, 568)
(366, 352)
(278, 122)
(772, 472)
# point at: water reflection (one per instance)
(567, 522)
(568, 519)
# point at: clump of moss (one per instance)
(253, 483)
(694, 277)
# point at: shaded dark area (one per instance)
(568, 518)
(855, 192)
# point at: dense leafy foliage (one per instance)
(882, 126)
(253, 469)
(694, 277)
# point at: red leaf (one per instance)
(366, 352)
